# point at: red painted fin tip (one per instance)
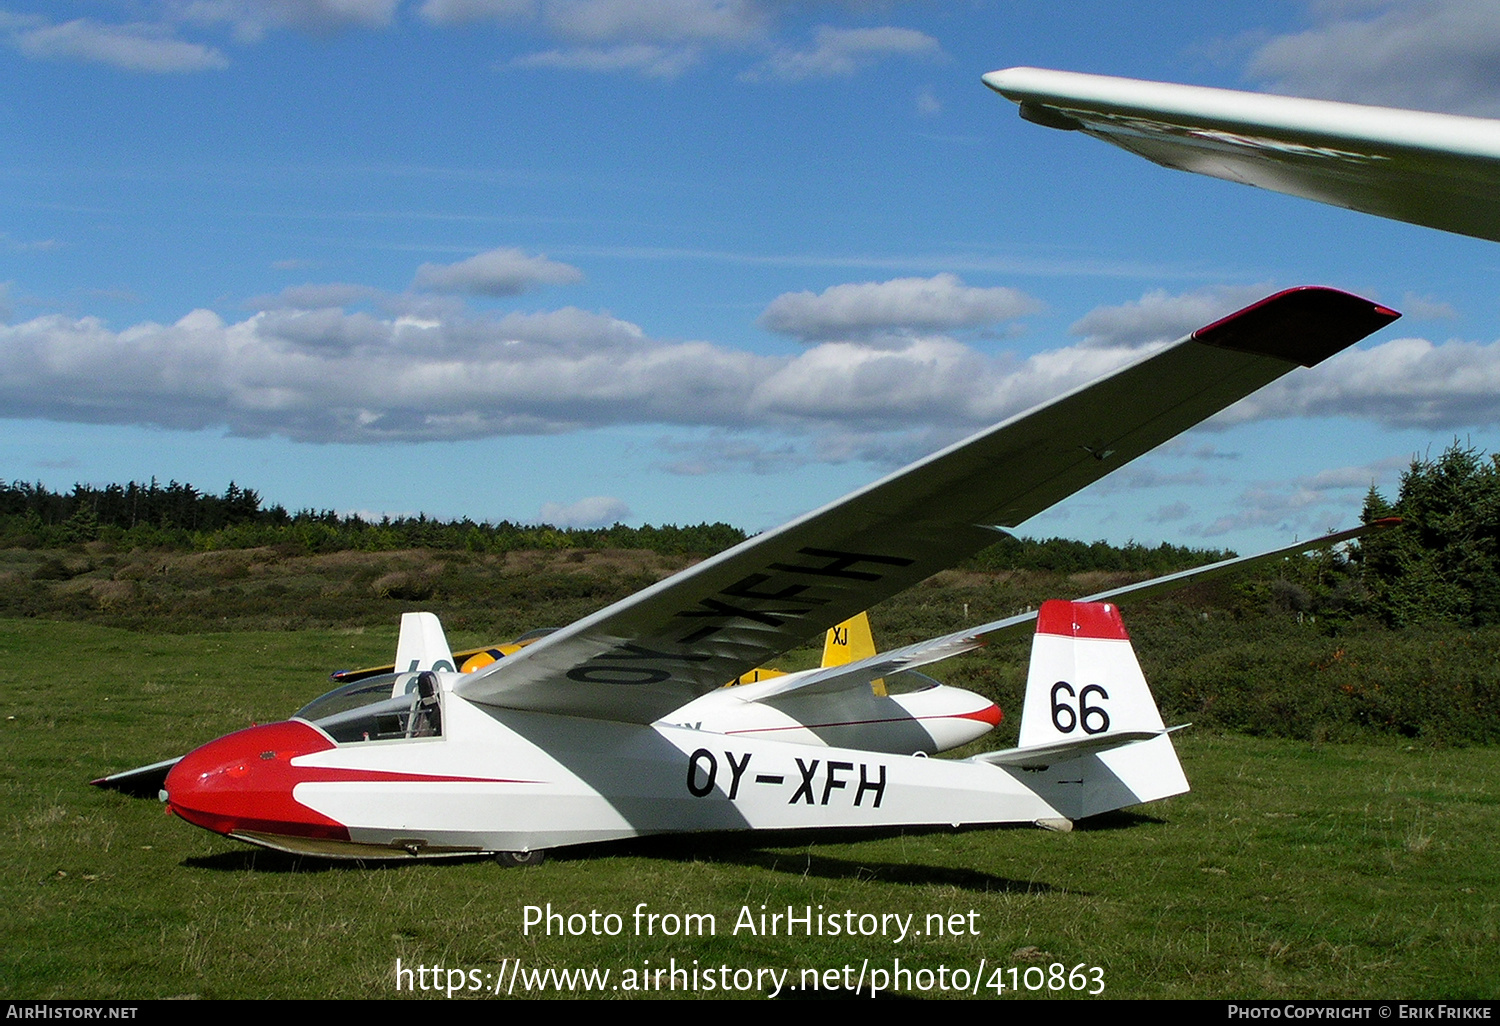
(1081, 620)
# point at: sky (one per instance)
(594, 260)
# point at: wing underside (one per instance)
(1438, 170)
(640, 658)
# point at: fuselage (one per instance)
(488, 780)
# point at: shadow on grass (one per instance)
(752, 850)
(264, 860)
(737, 848)
(1107, 821)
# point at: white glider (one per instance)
(618, 725)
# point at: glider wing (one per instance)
(1439, 170)
(644, 656)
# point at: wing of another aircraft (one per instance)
(646, 655)
(1438, 170)
(922, 653)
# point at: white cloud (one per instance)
(1431, 54)
(1315, 504)
(154, 46)
(28, 245)
(1144, 474)
(932, 381)
(1188, 447)
(595, 511)
(1427, 308)
(458, 12)
(661, 39)
(499, 272)
(651, 61)
(840, 52)
(327, 375)
(252, 18)
(332, 375)
(660, 21)
(721, 454)
(132, 47)
(1160, 317)
(1403, 383)
(866, 309)
(1360, 477)
(426, 368)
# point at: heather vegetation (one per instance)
(1397, 638)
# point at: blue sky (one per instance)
(588, 260)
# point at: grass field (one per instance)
(1291, 870)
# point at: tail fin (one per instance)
(1089, 722)
(1084, 680)
(422, 645)
(849, 642)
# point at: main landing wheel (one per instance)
(521, 858)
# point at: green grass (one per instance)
(1291, 870)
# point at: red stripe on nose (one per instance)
(244, 781)
(990, 714)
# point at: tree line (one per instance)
(1441, 566)
(181, 517)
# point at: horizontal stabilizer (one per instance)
(141, 782)
(1038, 756)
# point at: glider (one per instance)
(618, 725)
(1438, 170)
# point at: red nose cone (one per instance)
(244, 781)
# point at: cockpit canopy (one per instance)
(906, 682)
(392, 706)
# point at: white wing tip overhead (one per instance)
(1049, 96)
(1438, 170)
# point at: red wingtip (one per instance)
(1303, 325)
